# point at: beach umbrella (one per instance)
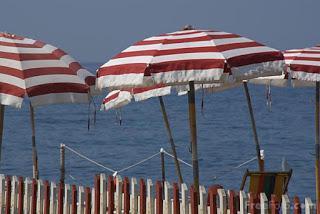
(119, 98)
(42, 73)
(190, 57)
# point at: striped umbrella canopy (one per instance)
(187, 57)
(42, 73)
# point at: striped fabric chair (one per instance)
(267, 182)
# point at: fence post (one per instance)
(222, 201)
(296, 205)
(34, 197)
(97, 194)
(81, 200)
(203, 200)
(118, 199)
(46, 198)
(150, 197)
(20, 195)
(103, 194)
(53, 198)
(232, 202)
(73, 199)
(27, 196)
(133, 199)
(2, 193)
(110, 195)
(309, 206)
(159, 200)
(176, 199)
(87, 200)
(14, 194)
(243, 202)
(274, 204)
(8, 195)
(184, 199)
(285, 204)
(263, 203)
(143, 198)
(126, 196)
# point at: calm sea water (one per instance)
(224, 138)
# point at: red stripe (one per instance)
(254, 58)
(135, 68)
(48, 71)
(12, 72)
(305, 68)
(197, 64)
(306, 58)
(53, 88)
(13, 90)
(90, 80)
(112, 97)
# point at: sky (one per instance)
(95, 30)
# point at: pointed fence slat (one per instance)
(46, 197)
(159, 200)
(243, 202)
(81, 200)
(193, 200)
(110, 195)
(34, 196)
(263, 203)
(222, 201)
(60, 198)
(285, 204)
(232, 202)
(309, 206)
(8, 195)
(118, 198)
(27, 196)
(143, 197)
(167, 198)
(2, 193)
(103, 194)
(14, 191)
(93, 195)
(97, 194)
(176, 200)
(150, 197)
(53, 198)
(274, 204)
(203, 200)
(87, 200)
(296, 205)
(184, 199)
(253, 203)
(66, 201)
(73, 199)
(126, 195)
(134, 196)
(20, 195)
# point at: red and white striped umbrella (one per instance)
(41, 72)
(191, 55)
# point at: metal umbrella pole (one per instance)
(35, 173)
(173, 147)
(254, 128)
(193, 132)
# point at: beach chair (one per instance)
(267, 182)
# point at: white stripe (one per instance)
(128, 60)
(83, 74)
(67, 59)
(43, 64)
(12, 80)
(316, 55)
(175, 37)
(59, 98)
(55, 78)
(17, 41)
(11, 63)
(152, 93)
(187, 56)
(218, 33)
(34, 50)
(305, 62)
(243, 51)
(230, 41)
(183, 31)
(10, 100)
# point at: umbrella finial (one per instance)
(187, 27)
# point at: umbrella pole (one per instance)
(173, 146)
(254, 128)
(2, 108)
(317, 143)
(193, 132)
(35, 173)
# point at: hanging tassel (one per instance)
(202, 101)
(118, 115)
(268, 96)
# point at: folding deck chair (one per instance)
(267, 182)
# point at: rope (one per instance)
(180, 160)
(140, 162)
(88, 159)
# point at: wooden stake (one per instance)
(254, 128)
(193, 131)
(317, 144)
(62, 163)
(34, 148)
(2, 108)
(171, 141)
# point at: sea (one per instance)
(286, 132)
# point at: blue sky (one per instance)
(95, 30)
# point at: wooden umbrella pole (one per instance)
(62, 163)
(2, 108)
(173, 146)
(163, 170)
(34, 148)
(254, 128)
(317, 143)
(193, 132)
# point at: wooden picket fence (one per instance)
(116, 196)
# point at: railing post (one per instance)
(66, 204)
